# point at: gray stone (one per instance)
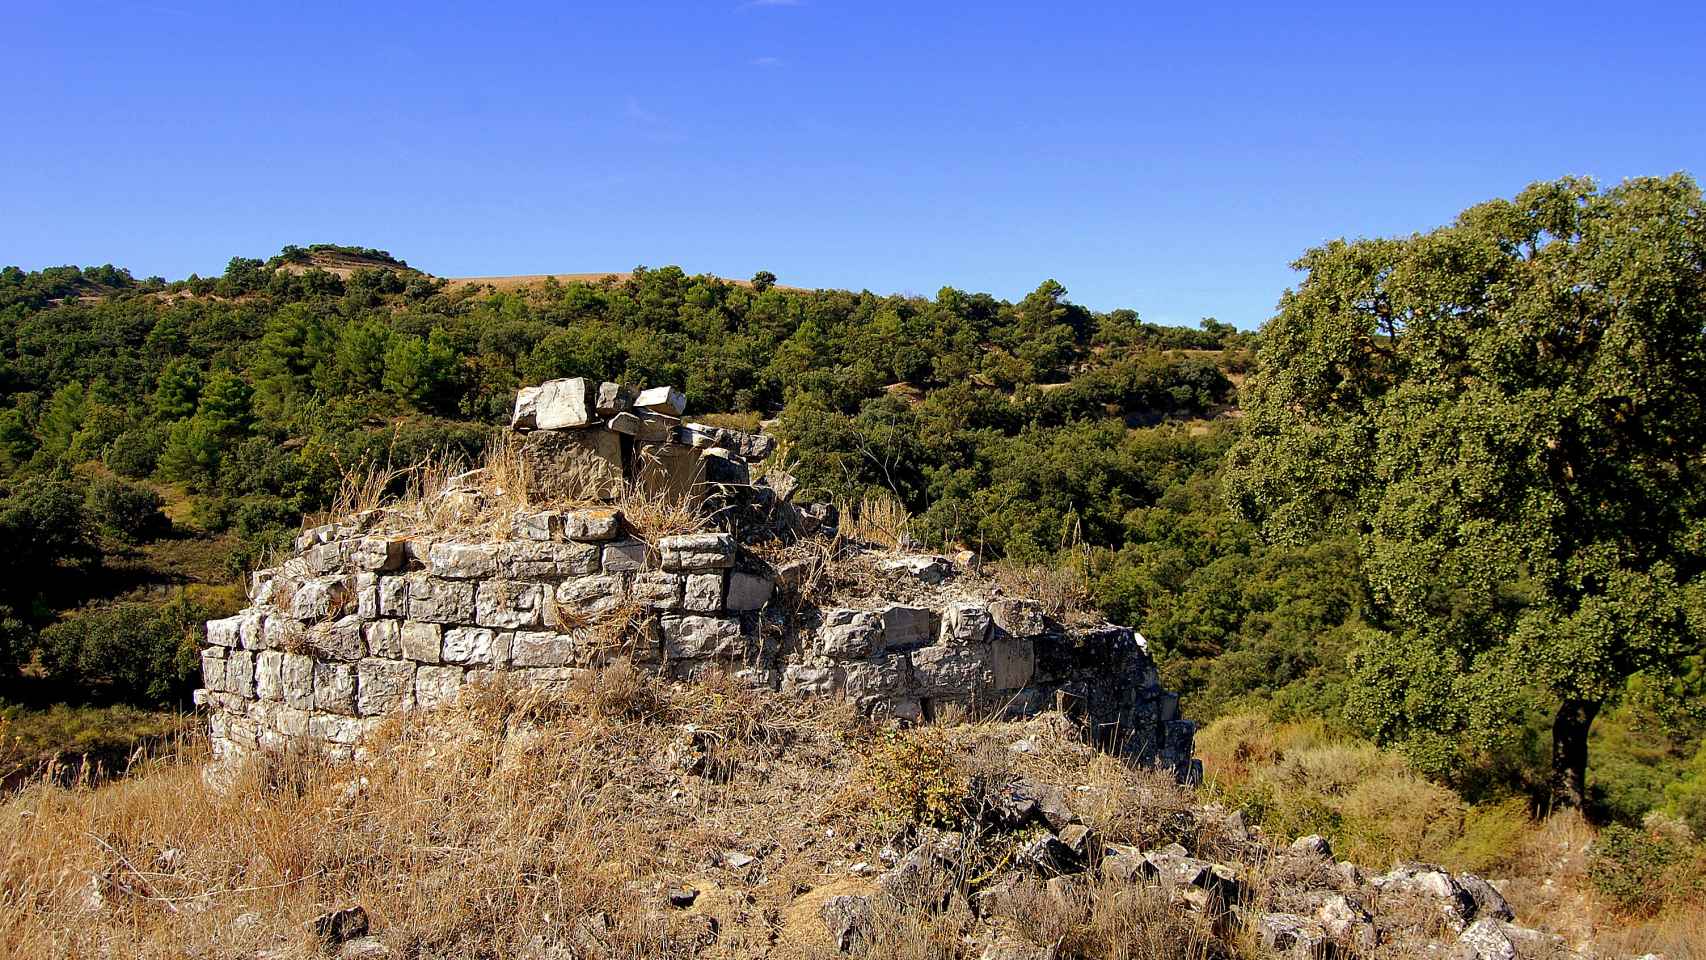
(549, 561)
(949, 670)
(345, 730)
(474, 646)
(658, 591)
(1489, 902)
(589, 596)
(926, 569)
(334, 687)
(269, 675)
(441, 601)
(367, 596)
(252, 631)
(665, 400)
(1012, 663)
(614, 398)
(965, 623)
(213, 669)
(422, 642)
(625, 423)
(338, 640)
(394, 596)
(656, 428)
(626, 556)
(384, 686)
(593, 525)
(850, 634)
(437, 686)
(688, 638)
(1485, 939)
(538, 648)
(804, 680)
(698, 551)
(326, 558)
(535, 526)
(462, 561)
(321, 598)
(509, 604)
(884, 676)
(225, 632)
(906, 627)
(564, 404)
(1021, 618)
(848, 919)
(296, 674)
(747, 591)
(703, 592)
(384, 639)
(240, 674)
(526, 414)
(379, 554)
(1313, 845)
(1291, 934)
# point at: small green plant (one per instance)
(915, 778)
(1639, 871)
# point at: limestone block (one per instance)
(665, 400)
(950, 671)
(1012, 662)
(542, 648)
(339, 639)
(803, 680)
(367, 596)
(850, 634)
(297, 677)
(283, 633)
(269, 675)
(698, 551)
(627, 556)
(659, 591)
(535, 526)
(422, 642)
(463, 561)
(626, 424)
(614, 398)
(689, 638)
(526, 413)
(883, 676)
(384, 639)
(565, 403)
(698, 435)
(252, 630)
(324, 558)
(213, 668)
(657, 429)
(591, 596)
(441, 601)
(379, 554)
(553, 678)
(394, 596)
(334, 687)
(906, 627)
(262, 585)
(1021, 618)
(437, 686)
(965, 623)
(924, 568)
(240, 674)
(474, 646)
(384, 686)
(561, 463)
(342, 730)
(703, 592)
(594, 524)
(549, 561)
(225, 632)
(321, 598)
(748, 591)
(291, 721)
(509, 604)
(722, 466)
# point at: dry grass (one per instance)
(877, 519)
(1062, 590)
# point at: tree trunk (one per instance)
(1570, 753)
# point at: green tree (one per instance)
(1508, 412)
(176, 390)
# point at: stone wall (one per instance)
(361, 624)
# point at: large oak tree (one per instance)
(1510, 413)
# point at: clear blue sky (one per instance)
(1172, 158)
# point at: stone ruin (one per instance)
(367, 621)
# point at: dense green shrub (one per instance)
(135, 452)
(130, 511)
(1639, 870)
(133, 652)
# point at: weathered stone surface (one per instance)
(252, 631)
(379, 554)
(805, 680)
(565, 403)
(334, 687)
(697, 551)
(526, 413)
(297, 675)
(269, 675)
(883, 676)
(1290, 933)
(625, 423)
(437, 686)
(441, 601)
(339, 639)
(1019, 617)
(703, 592)
(324, 558)
(614, 398)
(549, 561)
(1012, 663)
(924, 568)
(367, 596)
(213, 668)
(965, 623)
(589, 596)
(848, 920)
(627, 556)
(462, 561)
(665, 400)
(687, 638)
(659, 591)
(509, 604)
(850, 634)
(384, 686)
(722, 466)
(385, 639)
(906, 627)
(593, 524)
(1489, 902)
(1485, 939)
(422, 642)
(747, 591)
(225, 632)
(474, 646)
(540, 648)
(542, 525)
(321, 598)
(240, 673)
(1313, 845)
(394, 596)
(949, 670)
(344, 730)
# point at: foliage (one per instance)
(132, 652)
(1639, 870)
(129, 511)
(914, 778)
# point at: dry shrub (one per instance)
(1062, 590)
(879, 519)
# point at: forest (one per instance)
(1269, 508)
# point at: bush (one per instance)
(1639, 871)
(138, 653)
(130, 511)
(134, 453)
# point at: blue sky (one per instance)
(1174, 159)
